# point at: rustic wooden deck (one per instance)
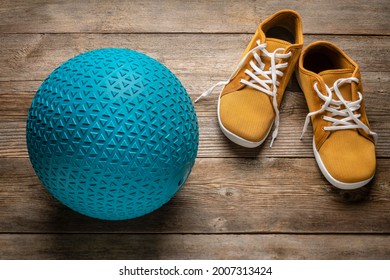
(238, 203)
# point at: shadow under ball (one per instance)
(112, 134)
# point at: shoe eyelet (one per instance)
(323, 128)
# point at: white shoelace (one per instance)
(268, 84)
(348, 120)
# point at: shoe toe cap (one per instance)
(349, 158)
(247, 114)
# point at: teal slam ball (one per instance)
(112, 134)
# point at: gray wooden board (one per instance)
(229, 195)
(204, 246)
(238, 203)
(145, 16)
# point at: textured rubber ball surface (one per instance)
(112, 134)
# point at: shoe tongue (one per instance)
(330, 76)
(273, 44)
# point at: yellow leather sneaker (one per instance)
(343, 144)
(248, 105)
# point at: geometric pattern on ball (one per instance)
(112, 134)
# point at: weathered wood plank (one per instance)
(228, 194)
(143, 16)
(265, 195)
(175, 246)
(198, 57)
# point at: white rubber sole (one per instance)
(237, 139)
(333, 181)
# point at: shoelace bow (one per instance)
(349, 119)
(268, 84)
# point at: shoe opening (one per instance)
(282, 33)
(285, 26)
(323, 57)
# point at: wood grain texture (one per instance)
(238, 203)
(221, 196)
(199, 60)
(175, 246)
(145, 16)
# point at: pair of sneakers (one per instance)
(248, 105)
